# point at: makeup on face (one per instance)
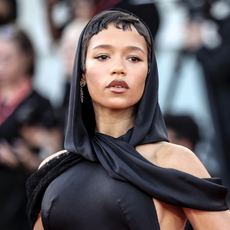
(116, 68)
(118, 86)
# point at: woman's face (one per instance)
(116, 68)
(12, 62)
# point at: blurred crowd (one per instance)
(31, 128)
(29, 131)
(207, 39)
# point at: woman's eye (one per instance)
(102, 57)
(134, 59)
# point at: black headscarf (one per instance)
(121, 160)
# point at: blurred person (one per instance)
(20, 103)
(81, 10)
(182, 130)
(8, 11)
(146, 10)
(86, 9)
(68, 45)
(208, 38)
(24, 117)
(216, 67)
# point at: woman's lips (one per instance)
(118, 86)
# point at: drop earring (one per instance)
(81, 91)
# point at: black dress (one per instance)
(85, 197)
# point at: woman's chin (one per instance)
(114, 105)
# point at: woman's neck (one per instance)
(114, 122)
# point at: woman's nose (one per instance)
(118, 68)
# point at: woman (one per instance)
(119, 171)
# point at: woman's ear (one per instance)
(83, 79)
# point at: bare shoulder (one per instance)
(180, 158)
(51, 157)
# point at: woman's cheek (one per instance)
(96, 80)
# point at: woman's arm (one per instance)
(203, 220)
(38, 225)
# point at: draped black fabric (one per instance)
(119, 157)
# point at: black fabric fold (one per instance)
(119, 157)
(168, 185)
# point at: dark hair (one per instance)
(13, 33)
(26, 46)
(183, 126)
(11, 13)
(13, 6)
(118, 18)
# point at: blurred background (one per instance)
(38, 40)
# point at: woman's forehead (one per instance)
(118, 37)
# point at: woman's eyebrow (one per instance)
(135, 48)
(110, 46)
(102, 46)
